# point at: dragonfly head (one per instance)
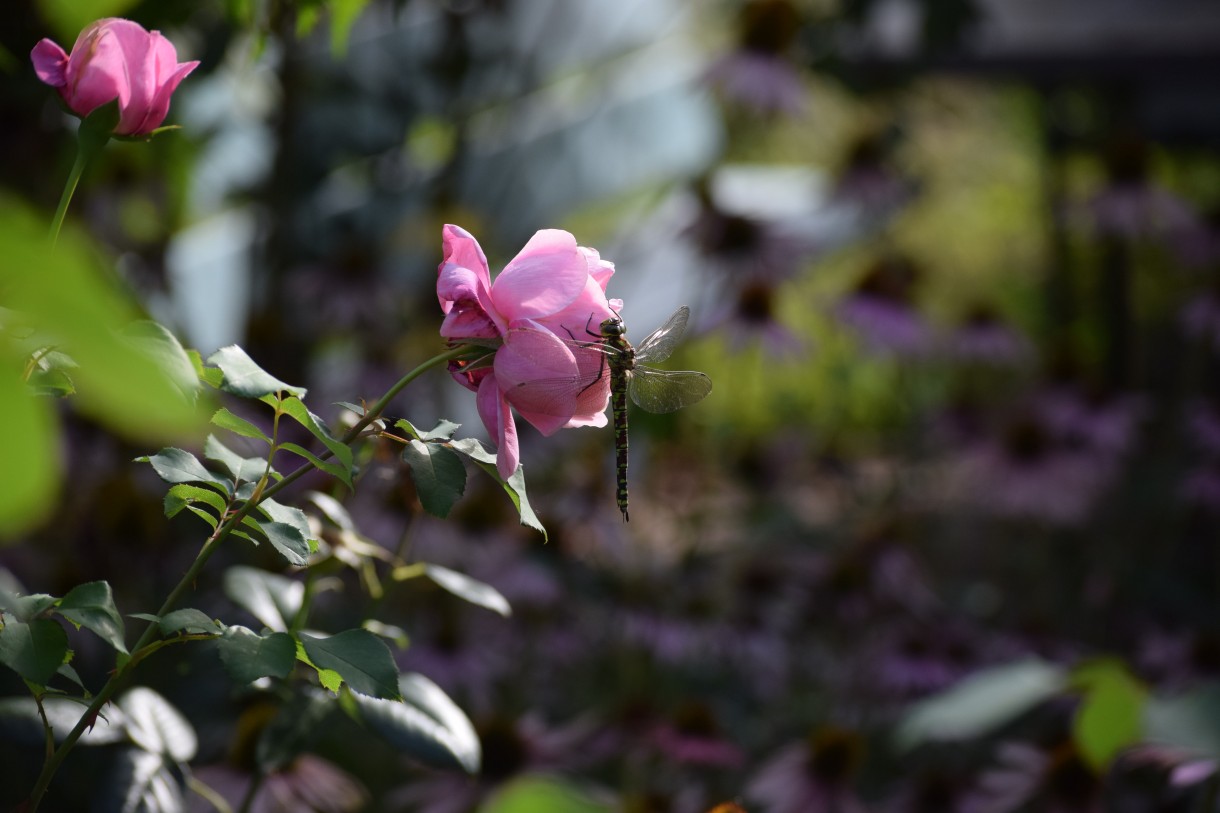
(612, 328)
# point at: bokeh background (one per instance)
(954, 268)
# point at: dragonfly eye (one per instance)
(612, 327)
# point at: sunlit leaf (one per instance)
(156, 726)
(238, 425)
(339, 472)
(514, 486)
(1190, 720)
(287, 515)
(425, 724)
(190, 621)
(155, 341)
(247, 469)
(332, 509)
(360, 657)
(91, 605)
(296, 409)
(243, 377)
(21, 722)
(287, 540)
(141, 782)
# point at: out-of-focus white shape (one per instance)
(208, 266)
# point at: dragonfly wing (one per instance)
(660, 344)
(663, 391)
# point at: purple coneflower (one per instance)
(984, 338)
(881, 309)
(1131, 206)
(308, 784)
(815, 774)
(758, 74)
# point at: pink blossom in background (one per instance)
(115, 59)
(551, 293)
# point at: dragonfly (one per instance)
(652, 389)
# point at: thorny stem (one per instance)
(213, 542)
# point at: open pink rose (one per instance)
(115, 59)
(551, 293)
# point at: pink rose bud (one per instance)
(115, 59)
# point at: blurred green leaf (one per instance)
(244, 378)
(332, 509)
(52, 373)
(361, 659)
(156, 726)
(69, 17)
(63, 293)
(425, 724)
(543, 794)
(440, 477)
(27, 607)
(140, 781)
(271, 598)
(33, 650)
(91, 605)
(28, 435)
(20, 721)
(155, 341)
(179, 466)
(292, 730)
(472, 590)
(981, 702)
(247, 656)
(1190, 720)
(1111, 715)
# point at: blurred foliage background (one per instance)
(953, 267)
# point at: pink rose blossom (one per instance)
(551, 293)
(115, 59)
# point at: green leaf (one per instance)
(246, 379)
(190, 621)
(156, 726)
(287, 515)
(442, 431)
(1111, 715)
(287, 540)
(295, 409)
(330, 679)
(248, 469)
(1189, 720)
(472, 590)
(532, 794)
(52, 374)
(92, 605)
(440, 477)
(178, 466)
(212, 376)
(238, 425)
(981, 702)
(27, 608)
(425, 724)
(361, 659)
(33, 650)
(514, 486)
(335, 470)
(183, 495)
(273, 599)
(248, 657)
(29, 437)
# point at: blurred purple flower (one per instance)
(757, 75)
(751, 319)
(881, 309)
(1201, 487)
(1200, 318)
(1093, 420)
(983, 338)
(1131, 205)
(692, 736)
(1025, 473)
(815, 774)
(867, 180)
(1029, 778)
(308, 784)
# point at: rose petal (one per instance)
(539, 376)
(50, 63)
(545, 277)
(498, 418)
